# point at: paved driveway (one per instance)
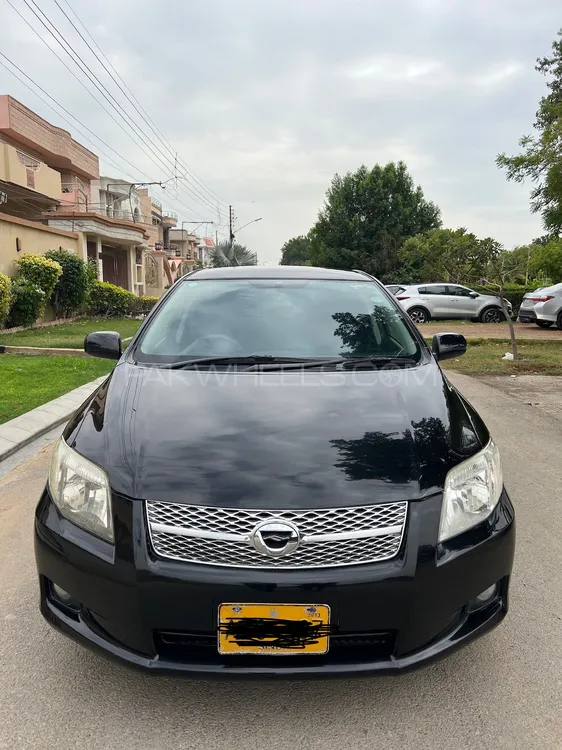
(502, 692)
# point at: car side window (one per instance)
(434, 289)
(459, 291)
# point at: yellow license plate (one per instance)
(273, 629)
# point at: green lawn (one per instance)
(27, 382)
(484, 357)
(69, 335)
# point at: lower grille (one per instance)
(319, 538)
(201, 648)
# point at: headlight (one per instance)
(472, 491)
(80, 490)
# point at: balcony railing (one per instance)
(138, 218)
(170, 214)
(83, 207)
(156, 203)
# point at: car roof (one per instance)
(277, 272)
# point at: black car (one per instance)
(276, 479)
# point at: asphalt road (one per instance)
(504, 691)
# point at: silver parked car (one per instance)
(543, 307)
(423, 302)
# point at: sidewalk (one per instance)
(22, 430)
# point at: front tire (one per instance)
(492, 315)
(544, 323)
(418, 315)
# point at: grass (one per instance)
(69, 335)
(484, 357)
(28, 382)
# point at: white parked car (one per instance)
(543, 307)
(423, 302)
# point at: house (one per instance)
(35, 158)
(51, 196)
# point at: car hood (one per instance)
(493, 298)
(276, 440)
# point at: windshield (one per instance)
(297, 318)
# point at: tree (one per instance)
(546, 260)
(541, 157)
(367, 216)
(232, 254)
(454, 255)
(504, 266)
(296, 252)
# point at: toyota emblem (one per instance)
(275, 538)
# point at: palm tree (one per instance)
(232, 254)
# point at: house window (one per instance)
(28, 161)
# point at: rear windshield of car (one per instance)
(278, 317)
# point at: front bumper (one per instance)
(161, 615)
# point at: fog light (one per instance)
(487, 595)
(62, 595)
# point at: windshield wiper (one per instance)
(253, 359)
(268, 362)
(374, 362)
(279, 363)
(347, 363)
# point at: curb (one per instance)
(26, 428)
(36, 351)
(39, 326)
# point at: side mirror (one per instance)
(473, 295)
(448, 345)
(104, 344)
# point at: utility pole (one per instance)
(231, 223)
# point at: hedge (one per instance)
(512, 292)
(5, 297)
(113, 301)
(109, 300)
(41, 271)
(72, 287)
(31, 289)
(28, 303)
(145, 304)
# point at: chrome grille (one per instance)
(328, 537)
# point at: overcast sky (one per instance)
(265, 100)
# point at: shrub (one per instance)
(92, 269)
(110, 301)
(28, 303)
(144, 305)
(72, 287)
(512, 292)
(5, 297)
(42, 272)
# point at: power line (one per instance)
(107, 158)
(75, 128)
(86, 70)
(81, 66)
(118, 80)
(154, 148)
